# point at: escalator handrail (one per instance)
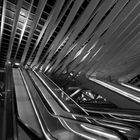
(82, 116)
(110, 111)
(63, 92)
(45, 134)
(85, 116)
(105, 129)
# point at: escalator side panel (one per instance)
(24, 106)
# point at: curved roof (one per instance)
(99, 38)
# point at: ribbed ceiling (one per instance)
(96, 37)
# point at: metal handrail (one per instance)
(80, 121)
(97, 121)
(45, 130)
(122, 112)
(28, 130)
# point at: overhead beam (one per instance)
(38, 13)
(43, 31)
(15, 21)
(61, 35)
(2, 20)
(106, 23)
(127, 36)
(102, 10)
(78, 27)
(55, 26)
(50, 24)
(23, 30)
(116, 39)
(120, 23)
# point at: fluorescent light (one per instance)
(71, 74)
(22, 13)
(17, 64)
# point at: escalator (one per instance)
(26, 112)
(49, 113)
(52, 126)
(25, 108)
(77, 125)
(105, 114)
(77, 111)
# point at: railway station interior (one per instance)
(69, 69)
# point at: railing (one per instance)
(128, 113)
(30, 132)
(97, 121)
(77, 117)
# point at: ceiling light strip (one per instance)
(106, 23)
(81, 57)
(125, 46)
(81, 67)
(77, 28)
(53, 30)
(124, 38)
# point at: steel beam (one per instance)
(79, 25)
(102, 10)
(61, 35)
(50, 24)
(105, 25)
(12, 36)
(127, 36)
(116, 38)
(38, 13)
(120, 23)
